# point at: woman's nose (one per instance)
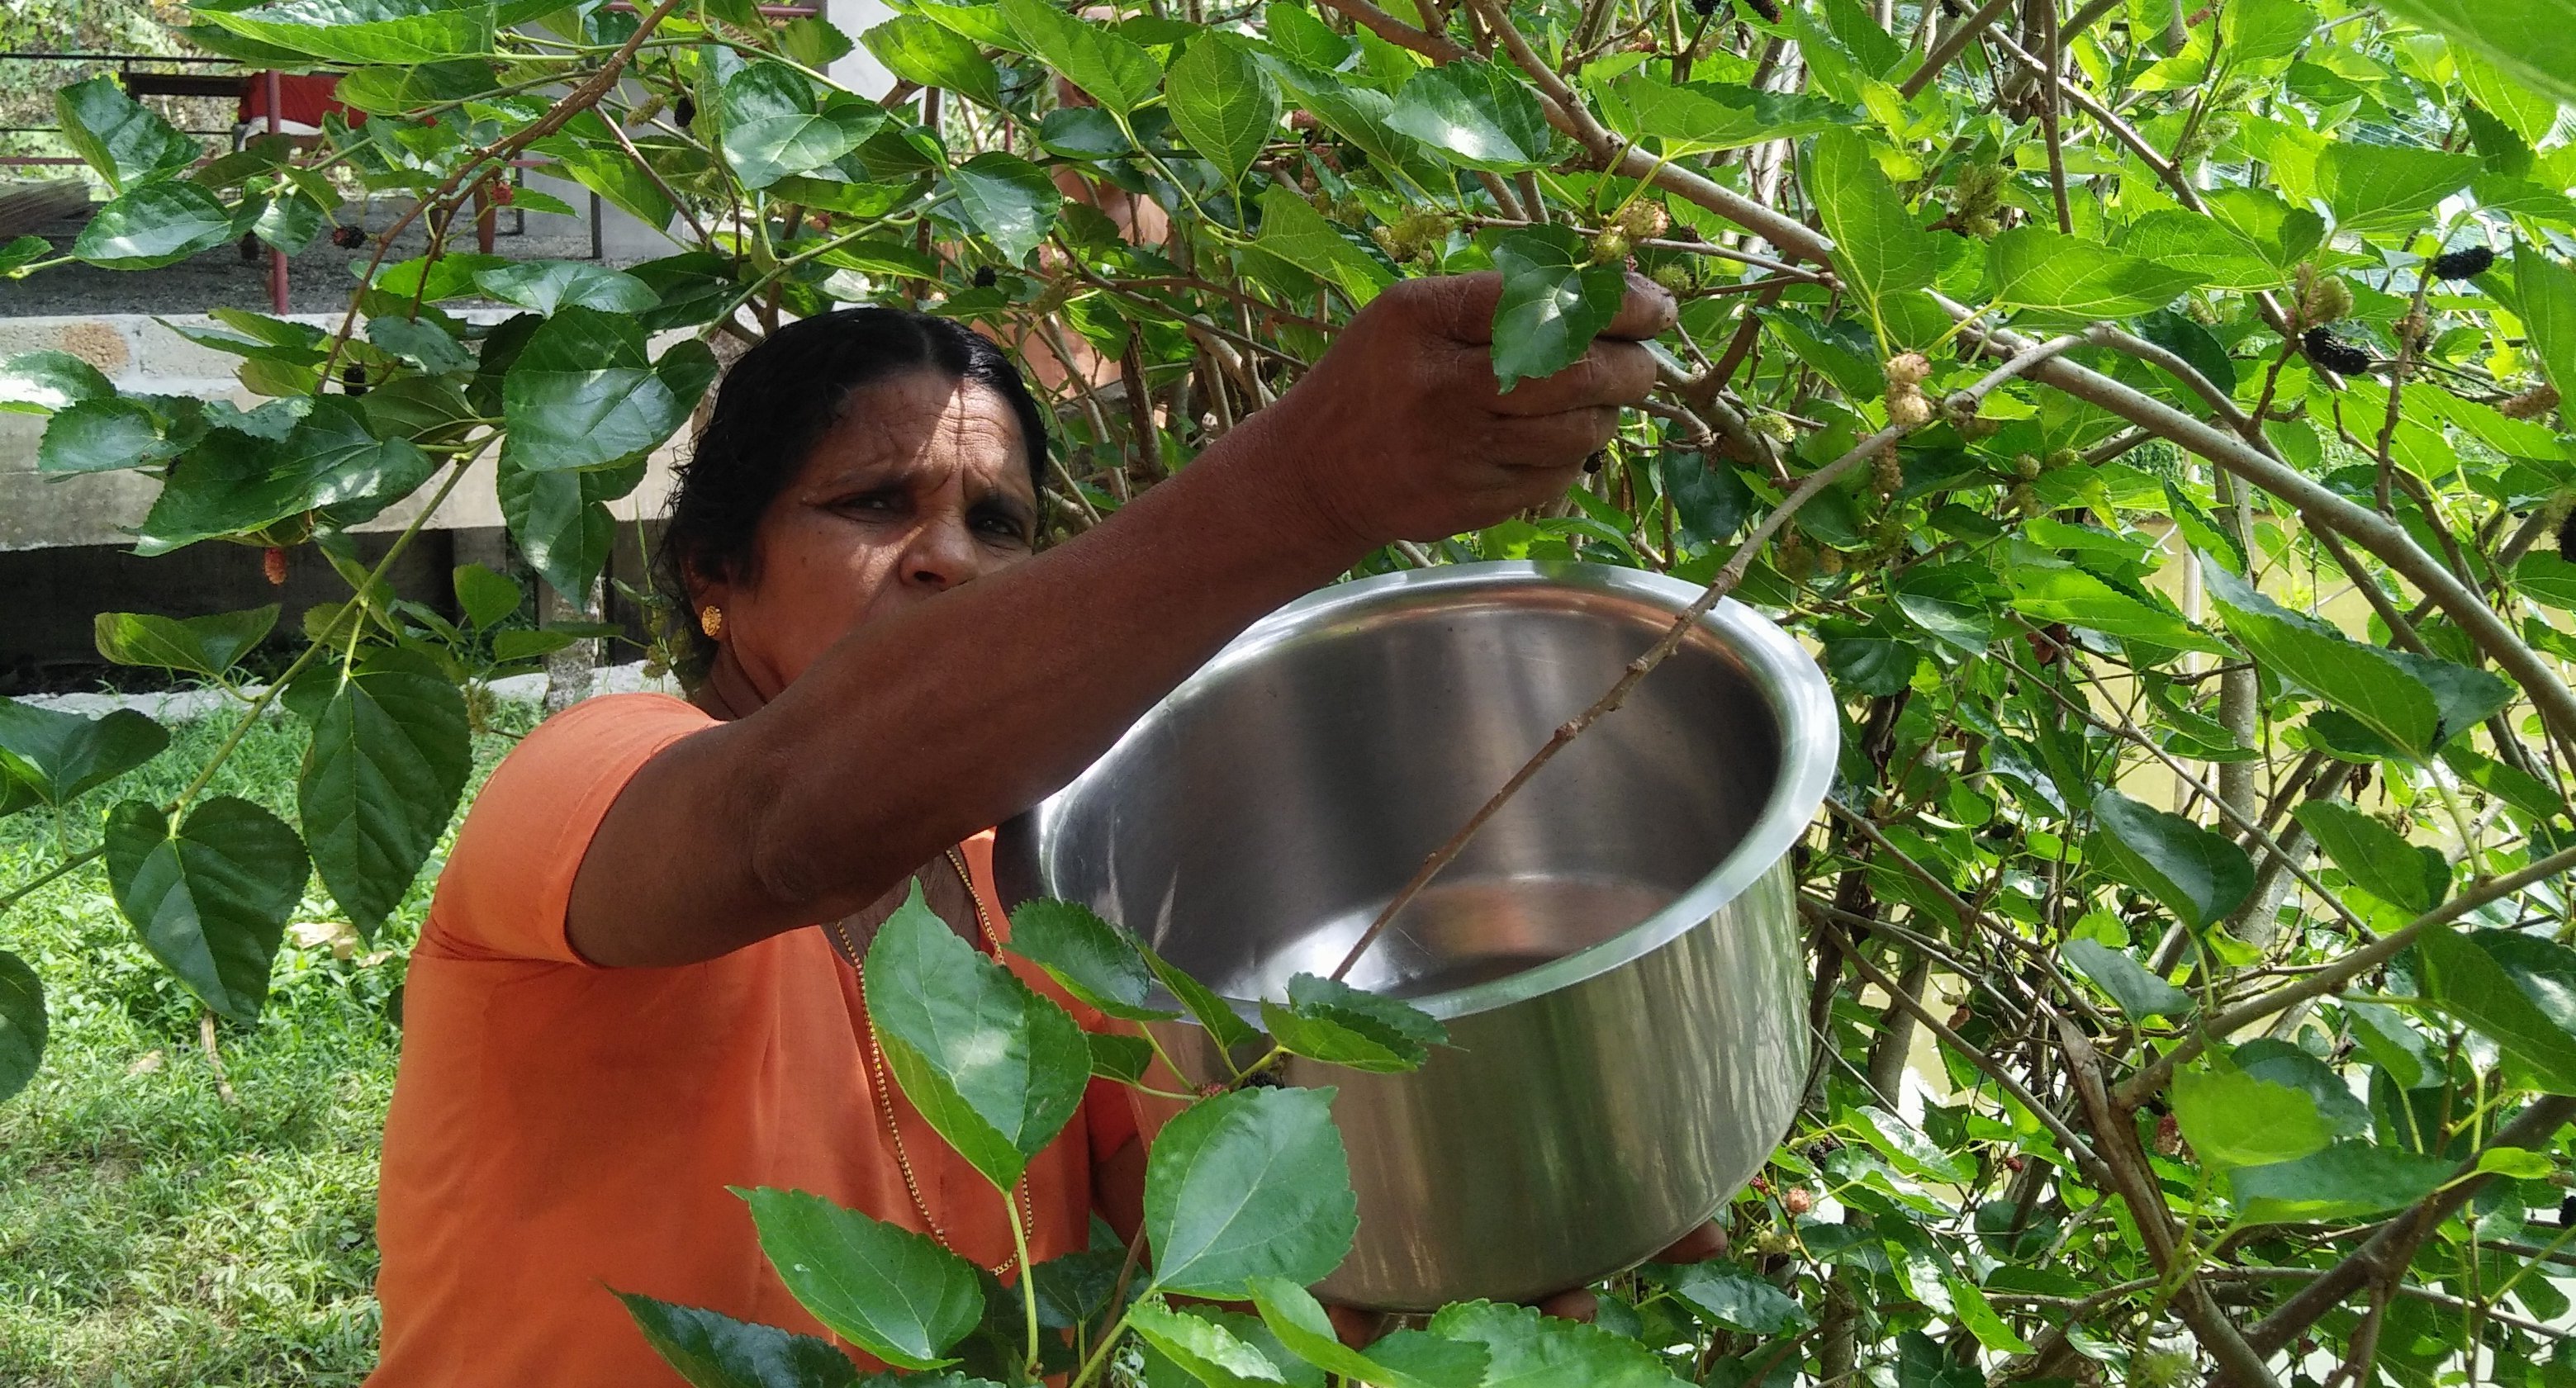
(941, 556)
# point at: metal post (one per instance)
(276, 257)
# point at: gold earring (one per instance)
(711, 621)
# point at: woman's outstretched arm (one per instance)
(924, 726)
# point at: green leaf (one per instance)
(22, 1023)
(2519, 991)
(2253, 30)
(546, 285)
(2382, 188)
(1728, 1296)
(1554, 301)
(2196, 874)
(233, 483)
(199, 645)
(43, 382)
(2233, 1119)
(1878, 246)
(1121, 1058)
(60, 755)
(772, 127)
(365, 31)
(1340, 1025)
(813, 41)
(211, 900)
(153, 225)
(1476, 113)
(2533, 40)
(1293, 1314)
(2140, 993)
(561, 528)
(1094, 961)
(1710, 502)
(2520, 1163)
(486, 597)
(423, 344)
(896, 1294)
(1224, 1026)
(1949, 603)
(1253, 1183)
(1294, 231)
(1968, 1303)
(926, 52)
(2035, 267)
(103, 436)
(2362, 681)
(1705, 117)
(1871, 665)
(19, 253)
(713, 1350)
(580, 395)
(1528, 1350)
(2340, 1183)
(1009, 199)
(2392, 1045)
(2376, 859)
(1118, 73)
(2281, 1062)
(1223, 103)
(995, 1068)
(390, 756)
(125, 141)
(2547, 294)
(1204, 1350)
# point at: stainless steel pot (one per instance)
(1616, 955)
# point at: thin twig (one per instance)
(1952, 44)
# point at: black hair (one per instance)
(775, 405)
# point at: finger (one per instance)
(1648, 310)
(1549, 442)
(1698, 1246)
(1457, 307)
(1608, 373)
(1577, 1305)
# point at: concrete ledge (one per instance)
(139, 353)
(183, 705)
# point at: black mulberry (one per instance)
(1765, 8)
(2567, 551)
(984, 277)
(685, 111)
(2466, 263)
(2334, 354)
(348, 238)
(1703, 8)
(353, 380)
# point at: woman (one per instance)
(634, 989)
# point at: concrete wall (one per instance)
(65, 542)
(138, 353)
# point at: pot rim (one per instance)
(1795, 689)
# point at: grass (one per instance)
(152, 1231)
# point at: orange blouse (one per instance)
(559, 1129)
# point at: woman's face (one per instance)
(922, 485)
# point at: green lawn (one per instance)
(152, 1233)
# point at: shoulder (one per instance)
(506, 884)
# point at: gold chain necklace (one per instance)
(885, 1090)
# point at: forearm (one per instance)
(920, 728)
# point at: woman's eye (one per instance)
(868, 501)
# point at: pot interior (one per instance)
(1253, 824)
